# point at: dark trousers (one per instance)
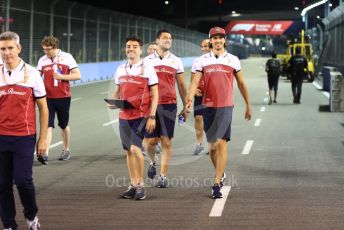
(16, 159)
(296, 87)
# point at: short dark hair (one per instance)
(273, 54)
(158, 34)
(135, 39)
(50, 41)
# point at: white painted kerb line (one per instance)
(76, 99)
(316, 85)
(56, 144)
(52, 146)
(219, 204)
(247, 147)
(262, 109)
(326, 94)
(257, 122)
(110, 122)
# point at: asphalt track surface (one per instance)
(285, 168)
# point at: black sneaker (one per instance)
(216, 193)
(43, 159)
(275, 101)
(151, 170)
(129, 193)
(140, 192)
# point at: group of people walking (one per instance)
(297, 68)
(149, 85)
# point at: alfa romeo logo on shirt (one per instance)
(11, 91)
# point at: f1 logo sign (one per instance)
(244, 27)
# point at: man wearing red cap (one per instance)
(218, 68)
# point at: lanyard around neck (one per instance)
(26, 76)
(126, 71)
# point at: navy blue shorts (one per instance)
(132, 132)
(217, 123)
(165, 121)
(273, 82)
(61, 107)
(198, 107)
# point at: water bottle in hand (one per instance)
(181, 119)
(55, 68)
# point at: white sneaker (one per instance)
(199, 149)
(34, 224)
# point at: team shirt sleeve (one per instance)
(117, 75)
(71, 62)
(39, 65)
(180, 67)
(38, 87)
(198, 64)
(193, 67)
(151, 75)
(236, 64)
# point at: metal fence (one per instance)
(334, 31)
(90, 34)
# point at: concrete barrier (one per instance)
(105, 70)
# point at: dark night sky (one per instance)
(195, 11)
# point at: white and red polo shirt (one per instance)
(65, 63)
(17, 99)
(193, 70)
(166, 68)
(218, 75)
(134, 81)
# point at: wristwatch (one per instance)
(151, 117)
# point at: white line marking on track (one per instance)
(316, 85)
(247, 147)
(76, 99)
(110, 122)
(219, 204)
(257, 122)
(52, 146)
(262, 109)
(56, 144)
(326, 94)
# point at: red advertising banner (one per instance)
(258, 27)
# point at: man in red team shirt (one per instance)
(21, 87)
(170, 71)
(218, 68)
(137, 83)
(57, 68)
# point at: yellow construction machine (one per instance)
(306, 50)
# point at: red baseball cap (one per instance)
(217, 31)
